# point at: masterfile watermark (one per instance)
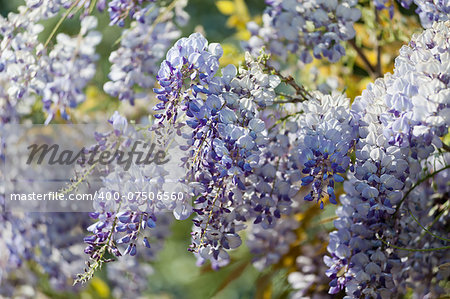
(38, 153)
(61, 168)
(49, 196)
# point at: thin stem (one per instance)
(434, 221)
(299, 89)
(417, 184)
(92, 6)
(370, 68)
(292, 98)
(329, 219)
(446, 147)
(284, 118)
(292, 101)
(379, 48)
(414, 249)
(425, 229)
(286, 95)
(60, 22)
(83, 178)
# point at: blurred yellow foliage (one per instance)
(226, 7)
(96, 103)
(355, 85)
(97, 289)
(231, 54)
(92, 94)
(446, 139)
(100, 287)
(239, 16)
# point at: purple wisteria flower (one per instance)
(119, 10)
(302, 27)
(431, 11)
(372, 216)
(224, 139)
(389, 5)
(326, 136)
(69, 67)
(30, 70)
(417, 95)
(20, 77)
(127, 207)
(135, 62)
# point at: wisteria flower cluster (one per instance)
(341, 197)
(225, 143)
(305, 28)
(324, 146)
(432, 11)
(417, 93)
(385, 169)
(135, 62)
(30, 70)
(70, 66)
(119, 10)
(428, 11)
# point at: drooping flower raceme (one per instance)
(271, 196)
(289, 158)
(357, 263)
(372, 215)
(134, 63)
(302, 27)
(137, 268)
(326, 136)
(129, 205)
(418, 94)
(69, 67)
(225, 139)
(19, 71)
(31, 71)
